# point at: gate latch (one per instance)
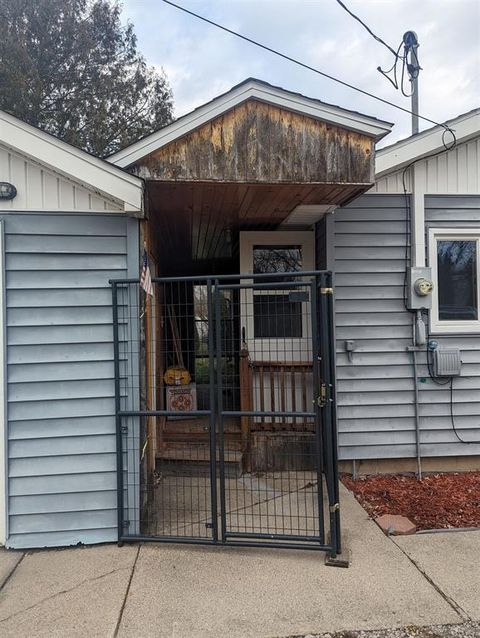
(322, 398)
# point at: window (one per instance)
(454, 258)
(274, 314)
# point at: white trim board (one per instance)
(250, 89)
(391, 158)
(71, 162)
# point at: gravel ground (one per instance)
(467, 630)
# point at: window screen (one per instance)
(275, 316)
(457, 280)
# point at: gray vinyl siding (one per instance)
(61, 423)
(375, 391)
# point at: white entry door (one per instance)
(276, 321)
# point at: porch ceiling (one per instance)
(244, 205)
(189, 219)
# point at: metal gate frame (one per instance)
(323, 413)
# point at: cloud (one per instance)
(202, 62)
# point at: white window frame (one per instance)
(438, 326)
(278, 348)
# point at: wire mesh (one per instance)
(220, 428)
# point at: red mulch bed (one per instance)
(438, 501)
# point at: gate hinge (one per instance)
(124, 429)
(209, 525)
(334, 508)
(326, 291)
(126, 524)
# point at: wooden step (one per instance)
(195, 460)
(196, 453)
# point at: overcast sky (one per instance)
(202, 62)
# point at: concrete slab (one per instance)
(217, 592)
(452, 561)
(8, 561)
(182, 504)
(71, 592)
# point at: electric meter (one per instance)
(419, 288)
(423, 286)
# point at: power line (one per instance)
(452, 419)
(304, 65)
(413, 69)
(365, 26)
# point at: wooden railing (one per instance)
(274, 386)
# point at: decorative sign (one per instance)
(7, 190)
(182, 398)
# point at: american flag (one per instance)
(146, 278)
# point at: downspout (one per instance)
(418, 338)
(417, 416)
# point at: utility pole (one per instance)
(410, 41)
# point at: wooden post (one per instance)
(246, 397)
(150, 376)
(160, 366)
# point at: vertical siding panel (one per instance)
(65, 426)
(454, 172)
(462, 176)
(40, 189)
(5, 173)
(472, 167)
(18, 177)
(81, 199)
(67, 196)
(34, 184)
(51, 191)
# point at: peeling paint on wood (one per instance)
(258, 142)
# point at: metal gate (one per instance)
(225, 411)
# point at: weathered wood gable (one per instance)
(257, 142)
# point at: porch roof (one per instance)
(252, 89)
(394, 157)
(72, 163)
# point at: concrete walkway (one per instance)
(177, 591)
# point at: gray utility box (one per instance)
(446, 362)
(419, 288)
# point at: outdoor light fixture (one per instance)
(7, 190)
